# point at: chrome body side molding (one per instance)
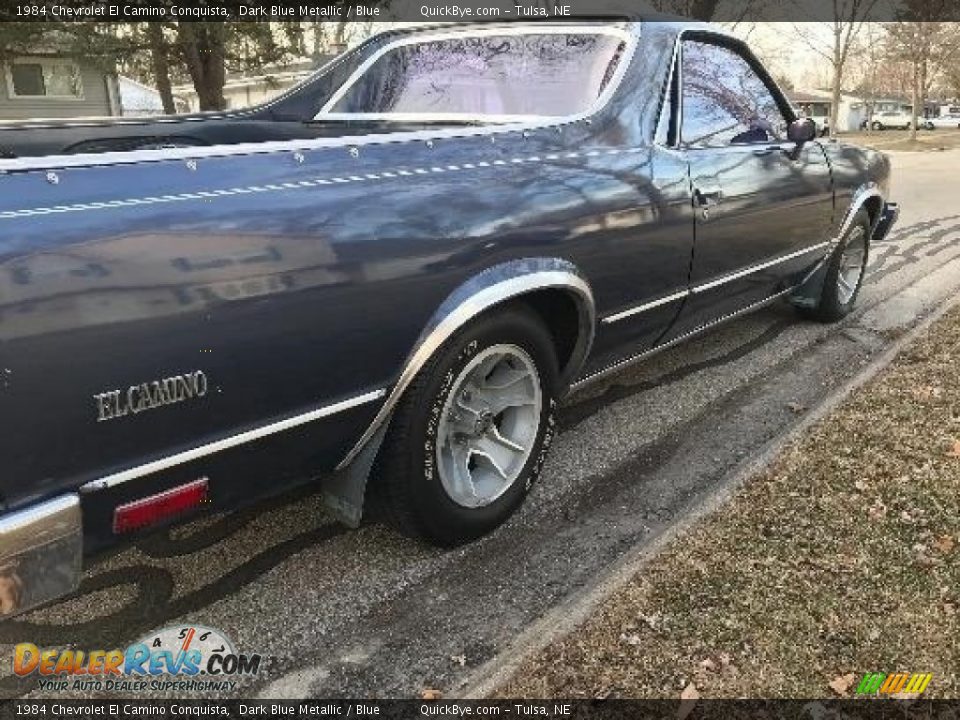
(230, 442)
(491, 287)
(628, 361)
(756, 268)
(711, 284)
(630, 312)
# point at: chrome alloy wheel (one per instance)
(489, 425)
(851, 264)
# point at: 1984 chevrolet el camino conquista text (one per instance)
(385, 280)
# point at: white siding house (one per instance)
(56, 86)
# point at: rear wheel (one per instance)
(845, 270)
(471, 433)
(877, 125)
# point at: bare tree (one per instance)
(833, 41)
(920, 38)
(733, 11)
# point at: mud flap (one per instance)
(807, 293)
(343, 492)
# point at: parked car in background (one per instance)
(945, 121)
(395, 271)
(897, 120)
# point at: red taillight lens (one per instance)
(150, 510)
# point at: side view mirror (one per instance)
(802, 130)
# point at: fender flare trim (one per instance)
(487, 289)
(859, 198)
(807, 293)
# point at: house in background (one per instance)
(138, 100)
(240, 92)
(817, 104)
(53, 85)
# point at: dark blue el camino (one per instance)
(392, 272)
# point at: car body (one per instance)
(898, 119)
(945, 121)
(190, 325)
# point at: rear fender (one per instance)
(492, 287)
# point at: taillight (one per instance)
(151, 510)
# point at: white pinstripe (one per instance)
(208, 194)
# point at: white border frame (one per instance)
(477, 32)
(41, 60)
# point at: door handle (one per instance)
(791, 150)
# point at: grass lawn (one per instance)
(840, 559)
(899, 140)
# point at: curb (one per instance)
(570, 614)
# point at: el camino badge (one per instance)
(149, 395)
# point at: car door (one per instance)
(763, 206)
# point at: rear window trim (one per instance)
(627, 38)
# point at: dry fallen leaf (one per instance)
(841, 684)
(708, 664)
(877, 511)
(431, 694)
(652, 620)
(944, 543)
(922, 556)
(861, 486)
(631, 639)
(726, 663)
(925, 392)
(954, 452)
(460, 660)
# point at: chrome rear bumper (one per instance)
(41, 553)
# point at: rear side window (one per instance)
(489, 76)
(724, 101)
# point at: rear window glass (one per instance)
(550, 75)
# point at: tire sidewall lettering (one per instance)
(436, 410)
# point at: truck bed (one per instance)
(97, 135)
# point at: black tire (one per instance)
(877, 125)
(407, 492)
(832, 307)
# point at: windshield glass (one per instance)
(487, 77)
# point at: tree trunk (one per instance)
(204, 51)
(340, 35)
(835, 87)
(318, 39)
(915, 98)
(924, 69)
(161, 66)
